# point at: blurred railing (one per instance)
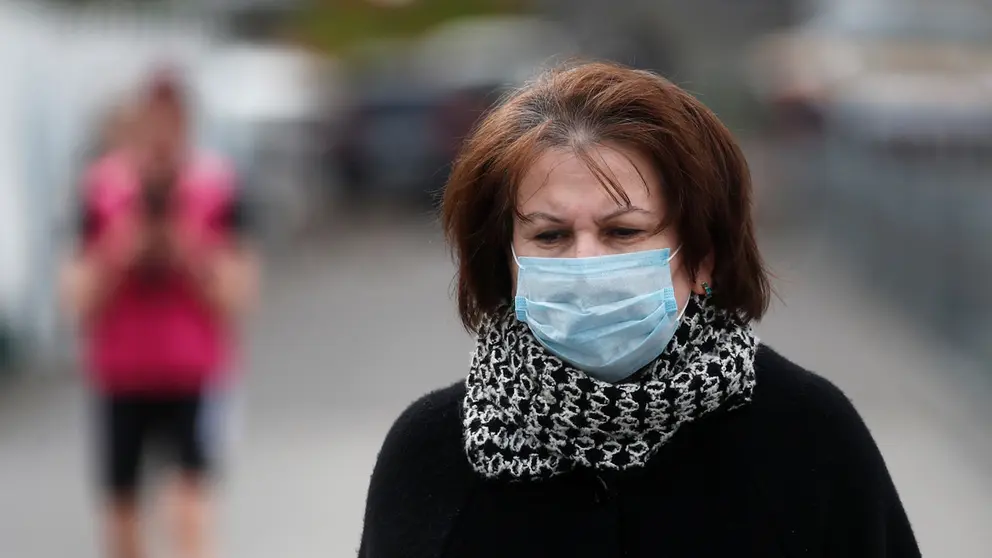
(914, 211)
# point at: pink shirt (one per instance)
(161, 338)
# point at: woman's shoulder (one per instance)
(426, 438)
(420, 478)
(785, 387)
(803, 405)
(433, 418)
(815, 442)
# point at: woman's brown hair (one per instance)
(705, 179)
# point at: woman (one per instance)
(161, 274)
(618, 402)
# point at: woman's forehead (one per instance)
(562, 181)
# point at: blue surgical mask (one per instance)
(608, 316)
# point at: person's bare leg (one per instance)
(191, 517)
(124, 528)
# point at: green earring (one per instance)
(706, 287)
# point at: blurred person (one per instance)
(618, 402)
(162, 272)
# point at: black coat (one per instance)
(796, 473)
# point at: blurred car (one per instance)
(387, 143)
(883, 114)
(413, 104)
(918, 57)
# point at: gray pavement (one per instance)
(356, 326)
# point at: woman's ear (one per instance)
(704, 276)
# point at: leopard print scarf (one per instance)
(528, 415)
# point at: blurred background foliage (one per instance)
(333, 26)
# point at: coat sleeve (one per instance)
(866, 517)
(419, 481)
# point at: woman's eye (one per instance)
(550, 236)
(625, 233)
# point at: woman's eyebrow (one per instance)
(623, 211)
(541, 216)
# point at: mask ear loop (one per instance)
(515, 259)
(687, 300)
(684, 308)
(520, 316)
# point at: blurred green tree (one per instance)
(333, 25)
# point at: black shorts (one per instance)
(134, 426)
